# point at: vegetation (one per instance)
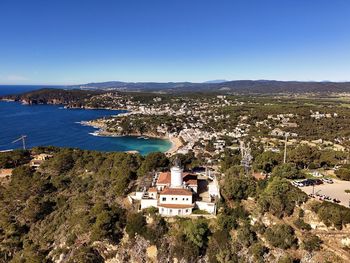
(69, 190)
(281, 236)
(75, 203)
(332, 214)
(312, 243)
(280, 198)
(288, 171)
(343, 173)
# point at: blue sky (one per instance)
(79, 41)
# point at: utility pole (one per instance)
(285, 148)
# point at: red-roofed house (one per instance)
(173, 194)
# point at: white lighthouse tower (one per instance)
(176, 175)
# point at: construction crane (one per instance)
(23, 138)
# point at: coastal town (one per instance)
(174, 131)
(230, 156)
(265, 172)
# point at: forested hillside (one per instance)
(74, 209)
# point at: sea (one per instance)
(54, 125)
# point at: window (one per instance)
(164, 199)
(172, 198)
(186, 199)
(183, 199)
(186, 210)
(176, 198)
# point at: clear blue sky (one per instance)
(72, 41)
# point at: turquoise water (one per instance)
(54, 125)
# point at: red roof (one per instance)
(165, 178)
(152, 189)
(175, 206)
(190, 179)
(176, 191)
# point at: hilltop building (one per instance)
(39, 159)
(176, 193)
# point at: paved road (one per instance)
(335, 190)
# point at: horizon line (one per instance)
(202, 82)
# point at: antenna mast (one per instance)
(285, 147)
(246, 156)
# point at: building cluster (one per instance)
(177, 193)
(318, 115)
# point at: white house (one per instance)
(173, 193)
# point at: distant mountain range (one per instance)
(222, 86)
(216, 81)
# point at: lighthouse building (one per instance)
(173, 193)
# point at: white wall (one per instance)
(176, 199)
(213, 188)
(174, 211)
(209, 207)
(145, 203)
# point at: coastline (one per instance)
(176, 145)
(101, 127)
(101, 131)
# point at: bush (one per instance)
(343, 174)
(312, 243)
(288, 171)
(238, 188)
(280, 197)
(136, 224)
(258, 251)
(219, 248)
(230, 218)
(332, 214)
(246, 236)
(300, 223)
(197, 232)
(281, 236)
(267, 161)
(14, 159)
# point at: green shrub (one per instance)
(287, 170)
(300, 223)
(312, 243)
(136, 224)
(281, 236)
(332, 214)
(280, 197)
(246, 236)
(258, 251)
(343, 174)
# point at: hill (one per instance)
(236, 86)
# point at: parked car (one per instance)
(317, 181)
(327, 180)
(298, 183)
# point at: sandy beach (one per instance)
(176, 144)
